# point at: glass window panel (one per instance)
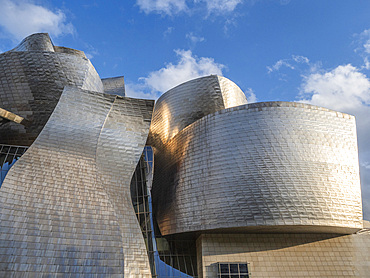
(243, 268)
(2, 159)
(9, 159)
(21, 151)
(234, 268)
(224, 268)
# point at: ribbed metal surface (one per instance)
(190, 101)
(114, 85)
(276, 166)
(32, 78)
(65, 206)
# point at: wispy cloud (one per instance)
(188, 67)
(362, 42)
(172, 7)
(220, 6)
(251, 96)
(168, 31)
(140, 90)
(278, 65)
(193, 38)
(90, 51)
(288, 63)
(20, 18)
(168, 7)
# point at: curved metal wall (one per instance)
(32, 78)
(190, 101)
(275, 166)
(65, 206)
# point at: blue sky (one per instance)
(317, 51)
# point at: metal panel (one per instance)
(189, 102)
(65, 206)
(272, 167)
(32, 78)
(114, 85)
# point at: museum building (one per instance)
(198, 184)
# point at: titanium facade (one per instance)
(32, 78)
(238, 190)
(189, 102)
(288, 167)
(114, 85)
(65, 205)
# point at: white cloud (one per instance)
(220, 6)
(194, 39)
(364, 38)
(367, 46)
(140, 91)
(172, 7)
(362, 41)
(187, 68)
(289, 63)
(300, 59)
(168, 7)
(251, 97)
(366, 63)
(278, 65)
(90, 51)
(22, 18)
(345, 88)
(168, 31)
(366, 165)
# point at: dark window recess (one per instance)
(233, 270)
(165, 254)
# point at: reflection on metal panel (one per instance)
(114, 85)
(189, 102)
(32, 78)
(126, 127)
(287, 166)
(76, 216)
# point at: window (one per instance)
(233, 270)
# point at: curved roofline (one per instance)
(190, 80)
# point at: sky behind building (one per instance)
(292, 50)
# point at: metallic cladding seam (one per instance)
(32, 78)
(126, 127)
(114, 85)
(190, 101)
(286, 166)
(64, 206)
